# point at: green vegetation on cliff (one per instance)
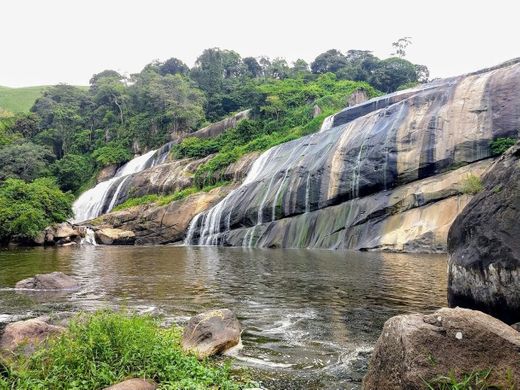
(104, 348)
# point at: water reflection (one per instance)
(310, 317)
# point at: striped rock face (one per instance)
(377, 175)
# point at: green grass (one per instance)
(162, 200)
(104, 348)
(477, 380)
(19, 99)
(472, 185)
(15, 100)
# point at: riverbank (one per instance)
(100, 349)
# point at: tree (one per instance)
(173, 66)
(300, 67)
(25, 161)
(392, 73)
(72, 171)
(253, 68)
(330, 61)
(400, 46)
(27, 208)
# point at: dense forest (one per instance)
(54, 152)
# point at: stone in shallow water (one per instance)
(134, 384)
(211, 333)
(109, 236)
(414, 348)
(52, 281)
(27, 334)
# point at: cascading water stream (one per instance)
(102, 198)
(327, 124)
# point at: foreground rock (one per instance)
(134, 384)
(211, 333)
(27, 335)
(52, 281)
(484, 245)
(415, 348)
(110, 236)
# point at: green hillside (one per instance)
(19, 99)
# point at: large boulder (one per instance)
(64, 230)
(110, 236)
(415, 348)
(211, 333)
(106, 173)
(52, 281)
(134, 384)
(27, 334)
(484, 244)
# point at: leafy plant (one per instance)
(500, 145)
(103, 348)
(472, 185)
(111, 154)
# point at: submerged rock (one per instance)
(211, 333)
(134, 384)
(27, 334)
(415, 348)
(484, 245)
(110, 236)
(52, 281)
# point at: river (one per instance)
(310, 318)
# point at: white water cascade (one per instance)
(90, 237)
(210, 225)
(91, 203)
(327, 124)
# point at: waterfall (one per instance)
(103, 197)
(328, 122)
(210, 225)
(90, 237)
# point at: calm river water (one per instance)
(310, 318)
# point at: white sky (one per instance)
(51, 41)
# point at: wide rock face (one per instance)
(211, 333)
(374, 149)
(27, 334)
(52, 281)
(484, 245)
(415, 348)
(152, 224)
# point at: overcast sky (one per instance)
(52, 41)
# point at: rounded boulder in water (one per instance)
(52, 281)
(211, 333)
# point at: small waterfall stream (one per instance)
(104, 196)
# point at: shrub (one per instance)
(27, 208)
(104, 348)
(500, 145)
(472, 185)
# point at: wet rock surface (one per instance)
(484, 244)
(373, 149)
(211, 333)
(52, 281)
(415, 348)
